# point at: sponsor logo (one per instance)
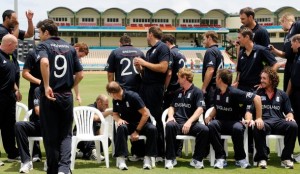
(189, 95)
(249, 95)
(271, 107)
(179, 95)
(127, 104)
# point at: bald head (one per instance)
(9, 43)
(102, 102)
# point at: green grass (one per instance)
(94, 84)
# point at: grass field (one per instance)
(94, 84)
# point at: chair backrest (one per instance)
(84, 117)
(28, 114)
(19, 108)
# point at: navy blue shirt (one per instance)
(228, 104)
(289, 54)
(251, 66)
(128, 107)
(260, 35)
(4, 31)
(7, 73)
(120, 62)
(185, 104)
(295, 75)
(177, 61)
(36, 103)
(63, 63)
(274, 109)
(157, 53)
(212, 58)
(33, 67)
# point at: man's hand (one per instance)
(120, 122)
(259, 123)
(49, 93)
(78, 99)
(207, 120)
(29, 15)
(138, 61)
(235, 84)
(289, 119)
(248, 123)
(186, 127)
(171, 119)
(134, 136)
(18, 95)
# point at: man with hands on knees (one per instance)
(275, 103)
(225, 119)
(132, 118)
(183, 116)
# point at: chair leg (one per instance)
(73, 152)
(153, 161)
(105, 151)
(186, 147)
(31, 148)
(212, 155)
(192, 145)
(226, 147)
(97, 145)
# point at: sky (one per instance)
(41, 7)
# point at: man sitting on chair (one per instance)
(24, 129)
(183, 116)
(275, 103)
(131, 116)
(225, 119)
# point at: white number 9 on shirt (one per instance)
(59, 68)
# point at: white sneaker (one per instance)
(262, 164)
(147, 163)
(220, 164)
(26, 167)
(45, 166)
(159, 159)
(288, 164)
(36, 159)
(17, 159)
(135, 158)
(79, 154)
(197, 164)
(1, 163)
(297, 158)
(121, 163)
(243, 164)
(170, 164)
(93, 155)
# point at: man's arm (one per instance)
(276, 66)
(110, 77)
(207, 78)
(168, 78)
(144, 112)
(236, 82)
(78, 77)
(157, 67)
(258, 109)
(77, 94)
(26, 75)
(195, 117)
(44, 65)
(277, 52)
(30, 30)
(171, 114)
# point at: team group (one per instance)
(143, 85)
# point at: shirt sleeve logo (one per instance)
(249, 95)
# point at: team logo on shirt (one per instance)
(249, 95)
(242, 57)
(202, 102)
(248, 107)
(35, 101)
(218, 97)
(153, 51)
(4, 61)
(210, 63)
(277, 99)
(179, 95)
(227, 99)
(127, 104)
(117, 104)
(263, 98)
(189, 95)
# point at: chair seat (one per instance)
(185, 137)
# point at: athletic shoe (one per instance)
(1, 163)
(170, 164)
(26, 167)
(36, 158)
(121, 163)
(243, 164)
(220, 164)
(93, 156)
(262, 164)
(45, 166)
(79, 154)
(288, 164)
(17, 159)
(135, 158)
(159, 159)
(297, 158)
(197, 164)
(147, 163)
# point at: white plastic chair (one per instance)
(83, 117)
(226, 138)
(31, 139)
(141, 137)
(186, 138)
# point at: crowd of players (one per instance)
(143, 85)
